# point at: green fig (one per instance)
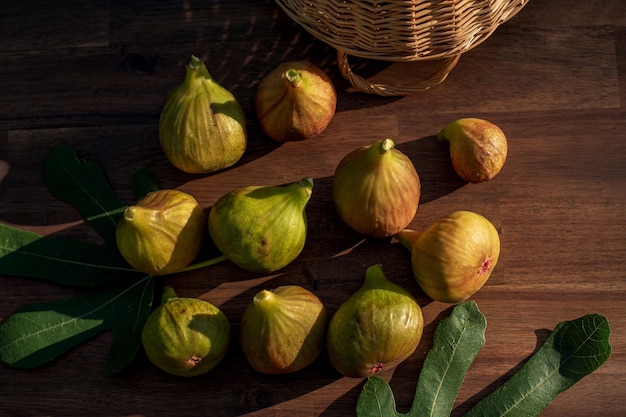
(185, 336)
(162, 233)
(261, 228)
(295, 101)
(202, 127)
(283, 330)
(376, 189)
(478, 148)
(377, 328)
(454, 257)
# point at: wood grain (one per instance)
(94, 75)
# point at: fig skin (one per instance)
(375, 329)
(261, 228)
(202, 127)
(162, 233)
(186, 337)
(478, 148)
(296, 101)
(283, 330)
(376, 189)
(454, 257)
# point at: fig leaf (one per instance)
(119, 298)
(38, 333)
(60, 260)
(572, 351)
(82, 184)
(143, 183)
(457, 341)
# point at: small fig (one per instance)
(376, 189)
(295, 101)
(453, 257)
(162, 233)
(261, 228)
(283, 330)
(185, 336)
(377, 328)
(202, 127)
(478, 148)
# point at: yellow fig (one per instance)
(454, 257)
(162, 233)
(478, 148)
(185, 336)
(376, 189)
(202, 127)
(376, 328)
(283, 330)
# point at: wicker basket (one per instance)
(401, 31)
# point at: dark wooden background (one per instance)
(93, 75)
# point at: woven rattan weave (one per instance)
(401, 31)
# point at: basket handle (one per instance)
(365, 86)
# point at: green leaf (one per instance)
(60, 260)
(143, 183)
(82, 184)
(38, 333)
(573, 350)
(376, 399)
(457, 340)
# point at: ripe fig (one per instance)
(202, 127)
(162, 233)
(295, 101)
(453, 257)
(185, 336)
(261, 228)
(283, 330)
(377, 328)
(376, 189)
(478, 148)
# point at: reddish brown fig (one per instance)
(296, 101)
(478, 148)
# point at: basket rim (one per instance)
(463, 26)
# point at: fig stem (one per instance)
(168, 294)
(441, 135)
(206, 263)
(386, 145)
(196, 72)
(407, 237)
(293, 76)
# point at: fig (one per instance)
(295, 101)
(185, 336)
(377, 328)
(478, 148)
(261, 228)
(202, 127)
(162, 233)
(376, 189)
(283, 330)
(454, 257)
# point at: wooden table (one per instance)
(94, 75)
